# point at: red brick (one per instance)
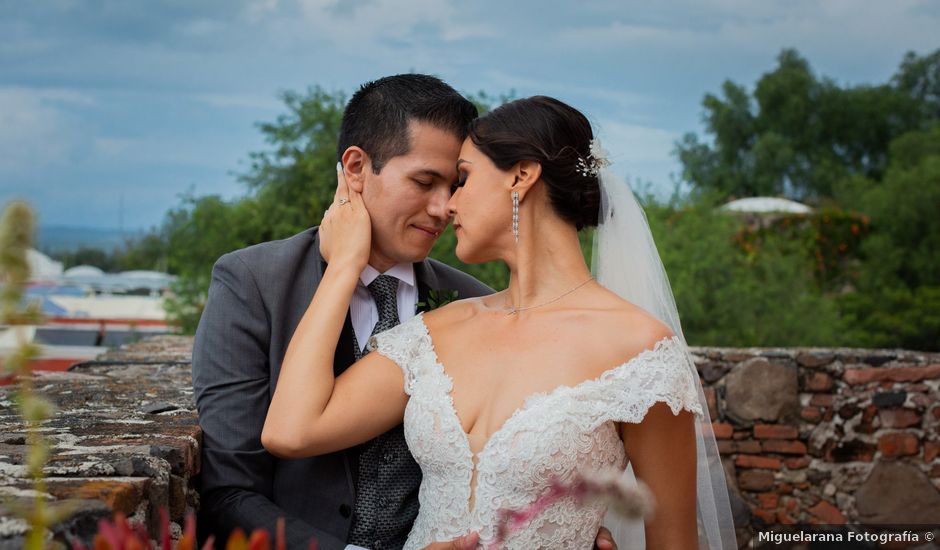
(740, 435)
(784, 488)
(935, 471)
(767, 515)
(811, 414)
(896, 374)
(775, 431)
(828, 513)
(931, 450)
(726, 447)
(749, 446)
(768, 501)
(898, 444)
(785, 518)
(899, 418)
(755, 480)
(797, 463)
(827, 416)
(784, 447)
(818, 382)
(711, 400)
(936, 412)
(722, 430)
(803, 485)
(756, 461)
(811, 360)
(791, 504)
(867, 426)
(822, 400)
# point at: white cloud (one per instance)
(240, 101)
(833, 28)
(33, 132)
(631, 144)
(363, 25)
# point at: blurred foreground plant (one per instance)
(121, 535)
(629, 501)
(16, 235)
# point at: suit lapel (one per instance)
(343, 357)
(426, 280)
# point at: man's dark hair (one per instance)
(377, 117)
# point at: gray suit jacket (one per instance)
(256, 299)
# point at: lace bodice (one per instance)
(551, 436)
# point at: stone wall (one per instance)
(807, 436)
(124, 438)
(827, 436)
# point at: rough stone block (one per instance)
(827, 513)
(120, 494)
(889, 399)
(761, 390)
(896, 492)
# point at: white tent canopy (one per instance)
(42, 267)
(766, 205)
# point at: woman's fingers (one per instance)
(342, 189)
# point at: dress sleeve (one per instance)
(407, 345)
(662, 374)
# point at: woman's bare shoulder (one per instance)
(452, 313)
(626, 328)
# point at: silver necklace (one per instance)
(515, 310)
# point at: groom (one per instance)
(408, 129)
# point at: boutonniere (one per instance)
(437, 298)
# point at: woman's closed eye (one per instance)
(461, 181)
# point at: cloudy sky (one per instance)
(111, 102)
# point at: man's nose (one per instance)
(438, 203)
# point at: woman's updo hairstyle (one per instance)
(555, 135)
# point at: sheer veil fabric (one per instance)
(626, 261)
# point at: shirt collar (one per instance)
(404, 272)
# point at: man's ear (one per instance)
(356, 163)
(525, 173)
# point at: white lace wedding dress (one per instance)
(551, 436)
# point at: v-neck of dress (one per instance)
(476, 458)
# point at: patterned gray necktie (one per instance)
(384, 290)
(386, 491)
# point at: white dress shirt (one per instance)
(365, 314)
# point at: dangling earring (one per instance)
(515, 215)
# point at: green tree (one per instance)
(897, 299)
(797, 135)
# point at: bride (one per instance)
(564, 371)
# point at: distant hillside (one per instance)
(62, 238)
